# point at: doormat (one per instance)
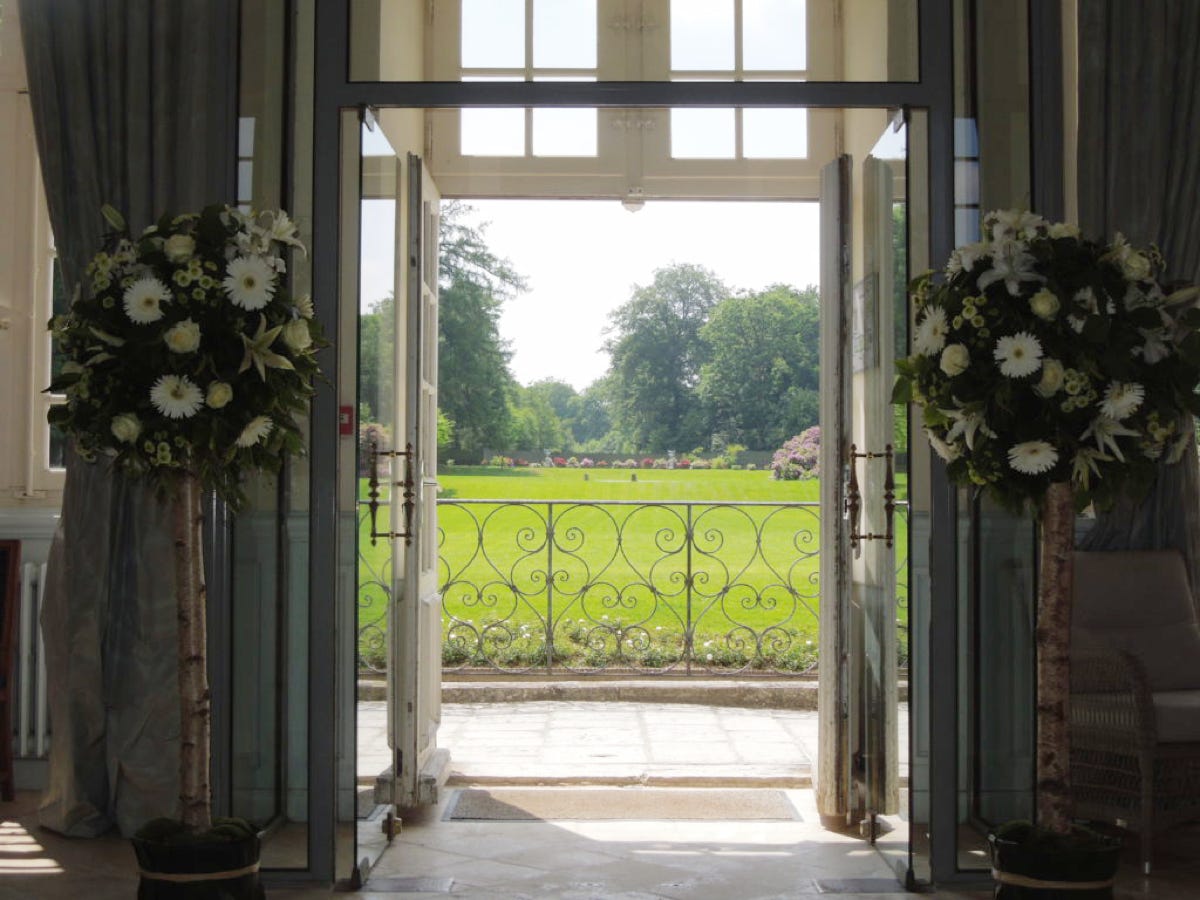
(635, 804)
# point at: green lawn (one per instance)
(620, 594)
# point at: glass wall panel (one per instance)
(634, 40)
(269, 653)
(996, 561)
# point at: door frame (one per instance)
(334, 94)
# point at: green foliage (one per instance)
(657, 354)
(760, 379)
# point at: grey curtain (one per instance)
(1139, 173)
(134, 104)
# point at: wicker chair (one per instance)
(1135, 693)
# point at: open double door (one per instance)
(863, 508)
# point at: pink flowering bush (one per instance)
(799, 457)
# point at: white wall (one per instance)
(28, 489)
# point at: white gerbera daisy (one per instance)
(176, 396)
(143, 300)
(1032, 457)
(304, 306)
(257, 429)
(250, 282)
(1019, 354)
(1122, 399)
(931, 332)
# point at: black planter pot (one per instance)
(200, 869)
(1029, 864)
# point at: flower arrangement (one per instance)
(1053, 370)
(1042, 357)
(186, 354)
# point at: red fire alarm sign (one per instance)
(345, 420)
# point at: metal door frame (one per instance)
(335, 93)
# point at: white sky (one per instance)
(582, 259)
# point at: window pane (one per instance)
(774, 133)
(564, 34)
(58, 448)
(701, 35)
(493, 34)
(702, 134)
(375, 143)
(564, 132)
(773, 34)
(493, 132)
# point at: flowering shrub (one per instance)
(499, 462)
(798, 458)
(648, 463)
(185, 353)
(559, 462)
(586, 463)
(573, 462)
(683, 463)
(1042, 357)
(603, 464)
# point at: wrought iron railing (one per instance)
(592, 587)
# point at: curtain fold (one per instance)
(134, 104)
(1139, 173)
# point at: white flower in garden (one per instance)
(1011, 263)
(257, 429)
(250, 282)
(1122, 399)
(219, 395)
(955, 359)
(931, 332)
(126, 427)
(941, 448)
(1105, 430)
(1052, 378)
(179, 247)
(143, 300)
(1064, 230)
(304, 306)
(176, 396)
(1044, 304)
(183, 337)
(296, 335)
(966, 425)
(1032, 457)
(1019, 354)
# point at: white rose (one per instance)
(296, 335)
(1064, 230)
(183, 337)
(955, 359)
(179, 247)
(1136, 266)
(1044, 304)
(126, 428)
(219, 394)
(1052, 378)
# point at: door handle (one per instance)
(854, 497)
(407, 486)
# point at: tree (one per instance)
(761, 378)
(657, 355)
(536, 424)
(474, 382)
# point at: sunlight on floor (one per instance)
(18, 849)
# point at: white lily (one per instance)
(1012, 264)
(966, 425)
(1106, 430)
(1085, 464)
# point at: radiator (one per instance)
(29, 712)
